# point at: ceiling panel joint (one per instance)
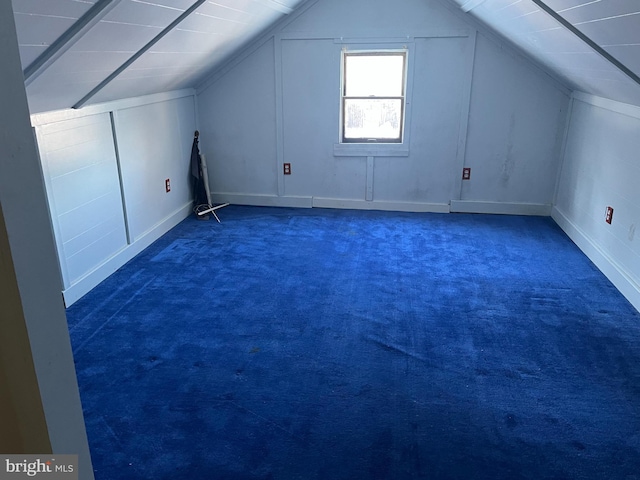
(586, 39)
(139, 53)
(68, 39)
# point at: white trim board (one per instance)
(470, 206)
(371, 150)
(319, 202)
(261, 200)
(457, 206)
(81, 287)
(44, 118)
(617, 274)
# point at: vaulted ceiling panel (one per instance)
(93, 39)
(133, 86)
(627, 54)
(589, 10)
(143, 14)
(556, 42)
(209, 24)
(93, 57)
(613, 31)
(180, 5)
(39, 23)
(231, 13)
(187, 53)
(72, 51)
(109, 36)
(612, 25)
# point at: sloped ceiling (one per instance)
(80, 43)
(77, 52)
(573, 39)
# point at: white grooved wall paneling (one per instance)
(105, 169)
(601, 169)
(81, 173)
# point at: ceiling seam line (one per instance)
(471, 4)
(138, 54)
(274, 5)
(607, 56)
(63, 43)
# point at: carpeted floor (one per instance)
(337, 344)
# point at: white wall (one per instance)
(105, 168)
(241, 151)
(601, 169)
(81, 173)
(154, 142)
(515, 130)
(470, 102)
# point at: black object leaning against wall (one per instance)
(200, 199)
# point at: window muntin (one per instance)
(373, 96)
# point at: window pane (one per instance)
(374, 118)
(377, 75)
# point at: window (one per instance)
(373, 96)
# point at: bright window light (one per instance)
(373, 90)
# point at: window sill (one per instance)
(370, 150)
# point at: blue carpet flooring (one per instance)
(336, 344)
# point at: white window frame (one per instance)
(344, 97)
(377, 148)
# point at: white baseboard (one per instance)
(457, 206)
(83, 285)
(617, 274)
(470, 206)
(319, 202)
(261, 200)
